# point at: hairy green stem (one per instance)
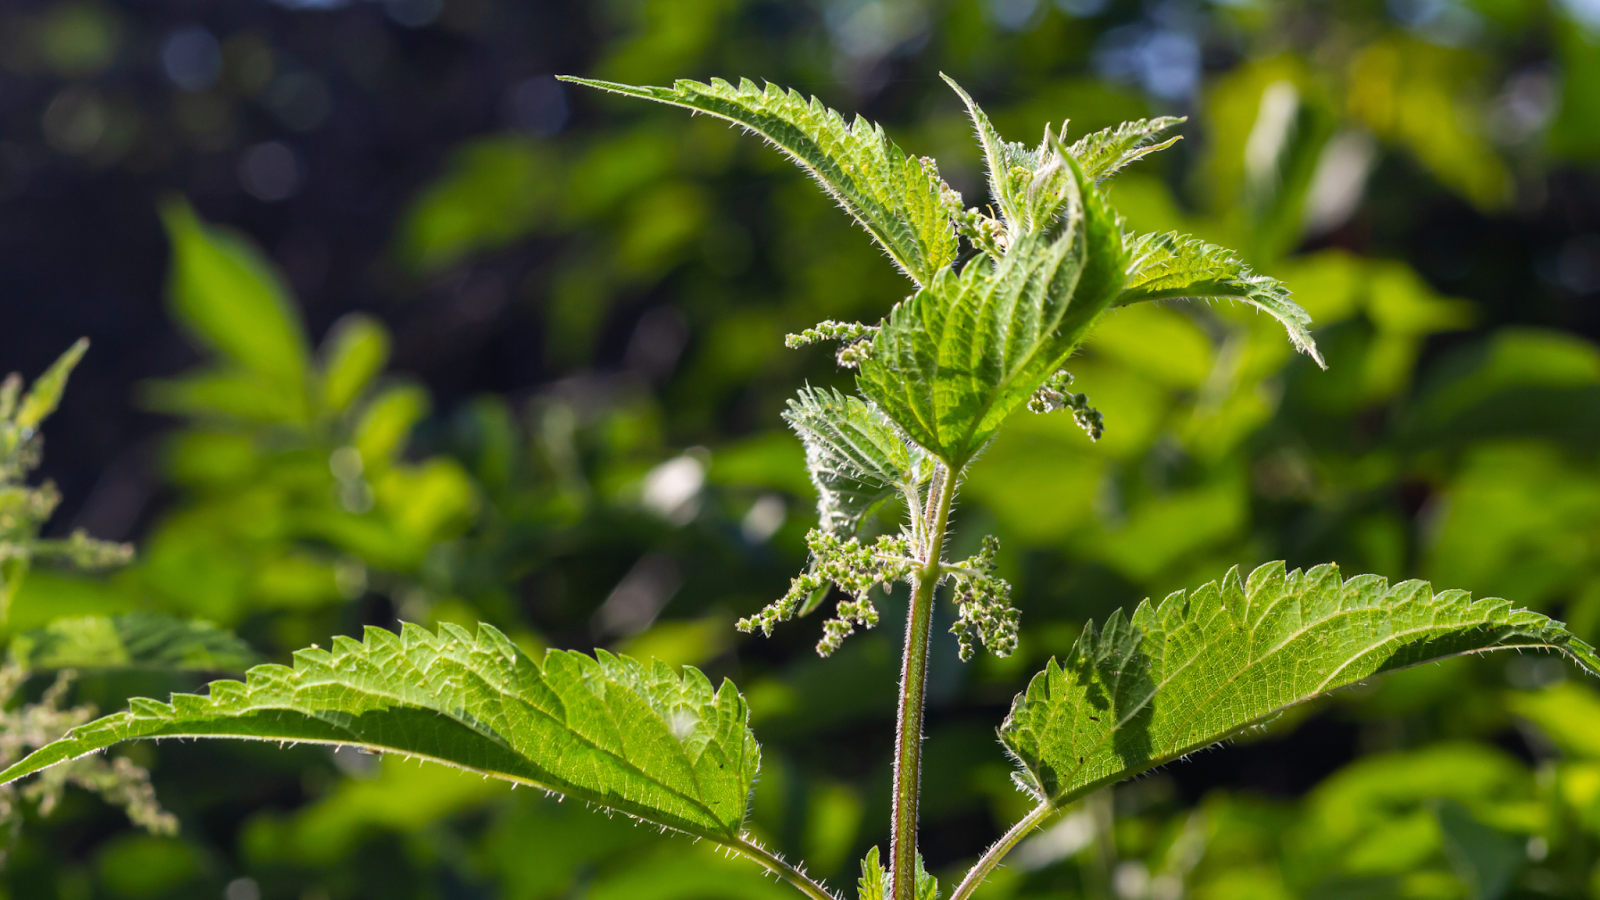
(782, 869)
(992, 856)
(913, 690)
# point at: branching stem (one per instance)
(992, 856)
(913, 688)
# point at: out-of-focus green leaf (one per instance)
(1410, 92)
(352, 355)
(644, 740)
(1575, 133)
(1159, 343)
(44, 395)
(692, 875)
(222, 393)
(428, 502)
(1520, 383)
(228, 296)
(147, 867)
(132, 641)
(1518, 516)
(1378, 817)
(1203, 665)
(1567, 713)
(1484, 858)
(386, 422)
(1162, 531)
(403, 797)
(495, 190)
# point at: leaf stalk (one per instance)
(991, 857)
(778, 866)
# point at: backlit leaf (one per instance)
(1031, 186)
(44, 395)
(353, 354)
(640, 738)
(132, 641)
(1172, 267)
(226, 294)
(1106, 152)
(953, 361)
(1204, 665)
(898, 198)
(855, 454)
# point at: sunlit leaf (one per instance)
(898, 198)
(1110, 150)
(493, 191)
(1031, 186)
(1173, 266)
(953, 361)
(1202, 666)
(132, 641)
(387, 420)
(227, 295)
(44, 395)
(855, 454)
(642, 739)
(353, 354)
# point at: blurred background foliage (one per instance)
(388, 324)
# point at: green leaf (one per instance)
(386, 422)
(1173, 266)
(45, 394)
(855, 454)
(1106, 152)
(1031, 186)
(1204, 665)
(1011, 165)
(494, 190)
(228, 295)
(225, 392)
(900, 199)
(953, 361)
(874, 884)
(635, 737)
(132, 641)
(352, 355)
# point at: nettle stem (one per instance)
(913, 687)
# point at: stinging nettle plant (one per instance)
(999, 304)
